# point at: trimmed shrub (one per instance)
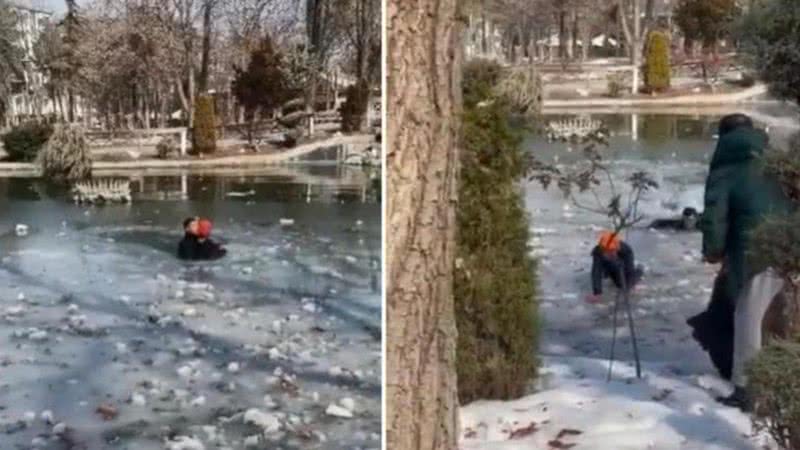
(522, 88)
(495, 278)
(23, 143)
(616, 84)
(354, 107)
(167, 148)
(657, 65)
(776, 392)
(204, 133)
(65, 157)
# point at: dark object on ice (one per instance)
(687, 221)
(194, 249)
(612, 265)
(195, 245)
(713, 328)
(740, 398)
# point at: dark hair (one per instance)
(688, 212)
(187, 221)
(734, 121)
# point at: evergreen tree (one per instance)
(263, 86)
(658, 70)
(706, 21)
(204, 132)
(495, 277)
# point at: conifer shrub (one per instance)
(776, 243)
(495, 277)
(23, 142)
(354, 107)
(204, 133)
(167, 147)
(615, 84)
(775, 390)
(66, 158)
(657, 65)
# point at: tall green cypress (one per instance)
(204, 133)
(658, 71)
(495, 277)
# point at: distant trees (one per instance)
(139, 63)
(706, 21)
(768, 36)
(264, 85)
(10, 56)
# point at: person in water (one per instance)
(687, 222)
(612, 258)
(196, 244)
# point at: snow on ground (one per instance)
(108, 341)
(672, 406)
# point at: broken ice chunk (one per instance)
(267, 422)
(184, 443)
(348, 404)
(138, 399)
(338, 411)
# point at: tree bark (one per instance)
(205, 61)
(423, 92)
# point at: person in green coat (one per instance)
(739, 195)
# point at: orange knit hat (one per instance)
(609, 242)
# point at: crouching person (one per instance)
(612, 258)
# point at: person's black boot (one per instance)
(739, 399)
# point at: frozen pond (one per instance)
(108, 341)
(673, 405)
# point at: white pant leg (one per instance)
(751, 306)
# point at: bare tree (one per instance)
(208, 7)
(423, 83)
(635, 27)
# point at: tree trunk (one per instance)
(423, 89)
(562, 34)
(484, 47)
(202, 79)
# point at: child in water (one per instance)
(196, 244)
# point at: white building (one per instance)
(30, 98)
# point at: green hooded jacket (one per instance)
(738, 196)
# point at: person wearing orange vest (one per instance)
(612, 258)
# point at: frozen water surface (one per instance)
(108, 341)
(673, 406)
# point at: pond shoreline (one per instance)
(286, 157)
(649, 102)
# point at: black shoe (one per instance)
(739, 399)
